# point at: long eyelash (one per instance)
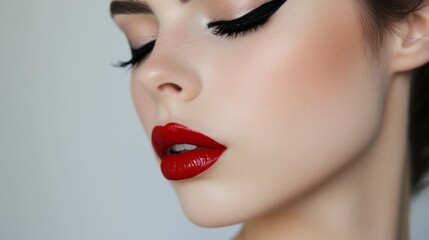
(232, 30)
(251, 21)
(137, 55)
(243, 25)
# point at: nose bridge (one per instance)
(168, 71)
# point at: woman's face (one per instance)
(293, 101)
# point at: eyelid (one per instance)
(236, 10)
(261, 11)
(143, 40)
(137, 55)
(252, 20)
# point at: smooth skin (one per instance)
(315, 126)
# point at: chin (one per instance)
(212, 219)
(211, 204)
(206, 205)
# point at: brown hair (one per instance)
(378, 18)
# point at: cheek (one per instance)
(316, 77)
(296, 108)
(306, 58)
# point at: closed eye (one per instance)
(137, 55)
(252, 20)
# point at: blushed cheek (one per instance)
(300, 87)
(302, 62)
(322, 55)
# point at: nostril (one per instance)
(170, 86)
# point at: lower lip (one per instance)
(189, 164)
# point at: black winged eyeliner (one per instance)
(252, 20)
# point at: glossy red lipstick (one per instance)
(184, 153)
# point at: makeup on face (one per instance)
(266, 94)
(184, 153)
(233, 28)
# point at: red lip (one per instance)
(188, 164)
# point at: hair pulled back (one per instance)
(378, 18)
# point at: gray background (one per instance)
(74, 162)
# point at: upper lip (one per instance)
(163, 137)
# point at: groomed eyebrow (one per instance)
(129, 7)
(132, 7)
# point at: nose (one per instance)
(167, 75)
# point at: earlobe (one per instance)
(411, 48)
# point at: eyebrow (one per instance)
(132, 7)
(129, 7)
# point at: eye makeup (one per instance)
(137, 55)
(248, 22)
(251, 21)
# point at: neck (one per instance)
(366, 200)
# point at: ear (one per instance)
(411, 49)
